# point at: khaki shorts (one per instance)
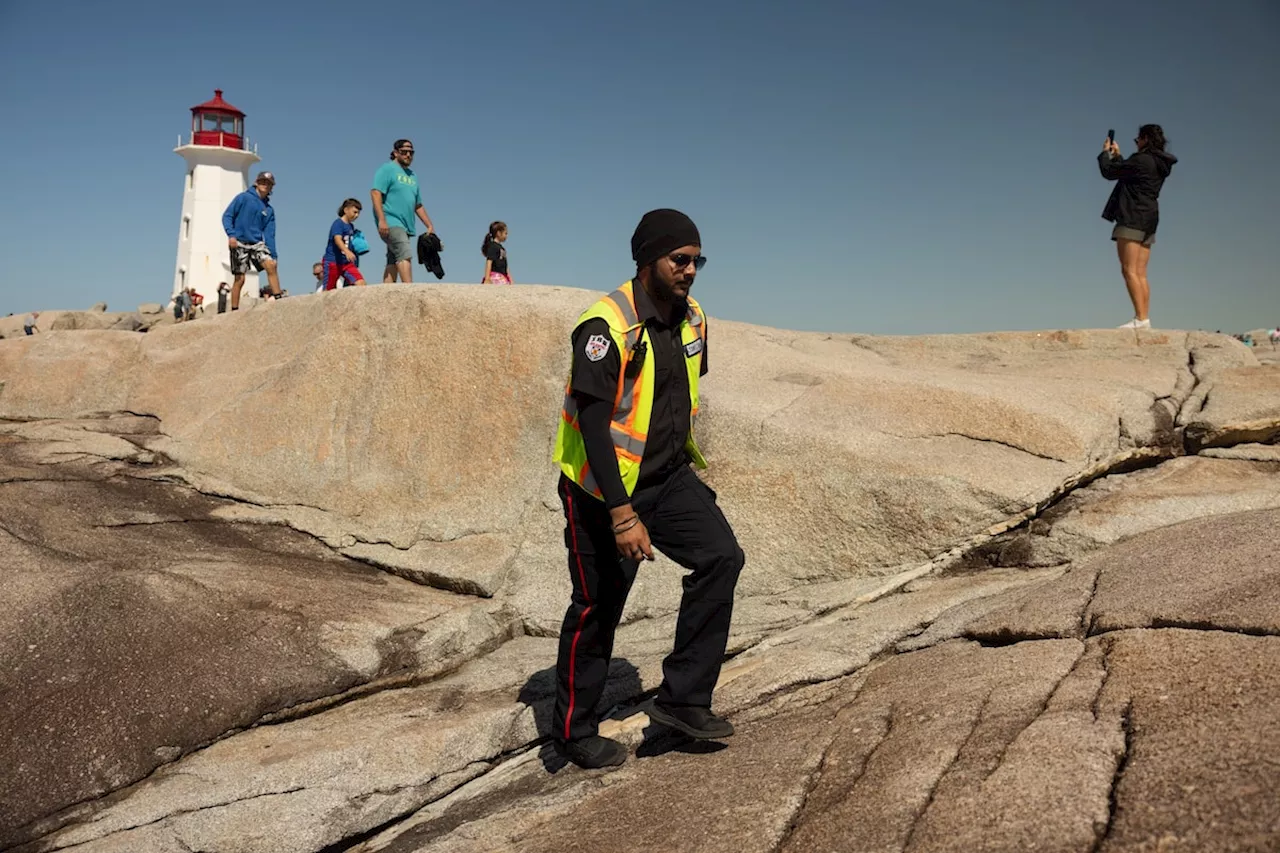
(399, 247)
(1122, 233)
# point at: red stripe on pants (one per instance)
(582, 579)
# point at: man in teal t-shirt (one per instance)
(396, 200)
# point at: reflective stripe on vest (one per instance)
(619, 304)
(633, 402)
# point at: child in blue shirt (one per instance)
(340, 262)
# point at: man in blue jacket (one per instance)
(250, 224)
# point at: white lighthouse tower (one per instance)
(218, 160)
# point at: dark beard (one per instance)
(665, 299)
(659, 290)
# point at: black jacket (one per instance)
(1135, 202)
(429, 248)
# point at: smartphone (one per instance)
(1111, 136)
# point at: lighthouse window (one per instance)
(210, 123)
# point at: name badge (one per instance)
(692, 349)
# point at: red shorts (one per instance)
(349, 274)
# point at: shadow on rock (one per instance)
(622, 691)
(660, 740)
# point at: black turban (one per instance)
(659, 232)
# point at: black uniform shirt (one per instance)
(598, 379)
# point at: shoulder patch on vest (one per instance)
(693, 348)
(597, 347)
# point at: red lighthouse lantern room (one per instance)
(217, 123)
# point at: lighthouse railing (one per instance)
(190, 139)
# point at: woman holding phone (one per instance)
(1134, 207)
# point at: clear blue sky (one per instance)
(885, 167)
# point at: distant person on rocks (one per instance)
(29, 323)
(223, 290)
(181, 306)
(624, 444)
(250, 223)
(1134, 207)
(317, 270)
(1274, 335)
(340, 262)
(396, 201)
(197, 301)
(496, 270)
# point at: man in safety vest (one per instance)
(624, 445)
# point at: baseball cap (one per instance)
(265, 176)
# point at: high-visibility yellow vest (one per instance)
(633, 405)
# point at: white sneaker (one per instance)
(1136, 324)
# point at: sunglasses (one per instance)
(682, 260)
(408, 151)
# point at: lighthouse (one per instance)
(218, 158)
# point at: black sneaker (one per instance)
(697, 723)
(592, 751)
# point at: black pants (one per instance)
(685, 524)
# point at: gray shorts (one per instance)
(399, 246)
(1122, 233)
(243, 256)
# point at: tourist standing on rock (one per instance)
(181, 306)
(624, 445)
(1134, 207)
(250, 223)
(29, 323)
(396, 200)
(223, 290)
(340, 263)
(496, 270)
